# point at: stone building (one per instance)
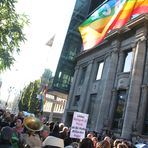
(111, 82)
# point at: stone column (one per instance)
(72, 88)
(71, 92)
(142, 109)
(134, 89)
(84, 101)
(108, 80)
(121, 61)
(112, 106)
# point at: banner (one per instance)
(111, 15)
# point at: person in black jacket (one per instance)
(55, 131)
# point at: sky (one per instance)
(47, 17)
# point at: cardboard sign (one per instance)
(79, 124)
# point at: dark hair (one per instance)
(51, 125)
(6, 133)
(48, 146)
(20, 118)
(86, 143)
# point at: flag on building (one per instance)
(111, 15)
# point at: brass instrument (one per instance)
(33, 124)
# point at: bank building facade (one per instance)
(110, 82)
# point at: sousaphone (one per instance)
(33, 124)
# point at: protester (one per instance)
(64, 133)
(86, 143)
(52, 141)
(90, 135)
(44, 133)
(5, 138)
(73, 145)
(31, 137)
(17, 131)
(122, 145)
(94, 140)
(107, 141)
(55, 131)
(33, 134)
(61, 126)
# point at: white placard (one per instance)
(78, 127)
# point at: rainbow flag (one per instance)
(41, 102)
(43, 98)
(111, 15)
(45, 92)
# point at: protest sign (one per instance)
(79, 124)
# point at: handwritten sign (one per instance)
(78, 127)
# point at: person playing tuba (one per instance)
(31, 138)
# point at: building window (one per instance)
(76, 101)
(99, 70)
(91, 109)
(63, 80)
(71, 52)
(119, 110)
(83, 73)
(128, 61)
(66, 80)
(60, 73)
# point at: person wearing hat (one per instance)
(53, 142)
(31, 138)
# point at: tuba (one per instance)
(33, 124)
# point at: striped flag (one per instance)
(111, 15)
(41, 102)
(44, 93)
(43, 97)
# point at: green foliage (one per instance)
(29, 101)
(46, 76)
(11, 34)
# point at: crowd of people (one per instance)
(16, 131)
